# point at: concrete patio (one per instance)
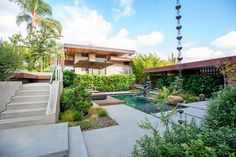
(118, 141)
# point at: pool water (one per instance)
(142, 104)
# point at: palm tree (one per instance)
(36, 13)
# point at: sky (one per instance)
(147, 26)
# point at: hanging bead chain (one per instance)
(178, 27)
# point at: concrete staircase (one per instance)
(24, 133)
(27, 107)
(54, 140)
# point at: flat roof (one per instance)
(74, 48)
(192, 65)
(33, 75)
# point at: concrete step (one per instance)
(77, 146)
(30, 98)
(23, 113)
(27, 105)
(34, 87)
(41, 141)
(32, 92)
(21, 122)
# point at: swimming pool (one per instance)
(135, 101)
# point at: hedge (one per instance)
(68, 78)
(206, 84)
(118, 82)
(195, 84)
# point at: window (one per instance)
(84, 69)
(69, 57)
(84, 54)
(126, 63)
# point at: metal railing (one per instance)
(56, 75)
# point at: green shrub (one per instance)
(70, 116)
(106, 82)
(202, 84)
(161, 97)
(142, 61)
(86, 124)
(193, 84)
(75, 98)
(189, 98)
(176, 85)
(101, 112)
(216, 137)
(68, 78)
(222, 109)
(10, 61)
(165, 81)
(181, 140)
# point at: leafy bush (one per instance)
(106, 82)
(186, 140)
(10, 60)
(75, 98)
(177, 85)
(86, 124)
(161, 97)
(216, 137)
(101, 112)
(141, 62)
(181, 140)
(205, 84)
(189, 98)
(193, 84)
(165, 81)
(70, 116)
(68, 78)
(222, 109)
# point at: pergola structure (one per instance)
(205, 67)
(198, 67)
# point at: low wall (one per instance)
(53, 108)
(7, 91)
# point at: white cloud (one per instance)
(153, 38)
(124, 9)
(197, 53)
(84, 26)
(8, 13)
(221, 47)
(227, 41)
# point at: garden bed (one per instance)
(101, 122)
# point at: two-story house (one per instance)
(117, 60)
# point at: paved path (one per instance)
(118, 141)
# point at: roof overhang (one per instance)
(74, 48)
(192, 65)
(119, 59)
(33, 75)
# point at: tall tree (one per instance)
(142, 61)
(37, 13)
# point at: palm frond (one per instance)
(43, 8)
(51, 23)
(21, 3)
(29, 27)
(23, 17)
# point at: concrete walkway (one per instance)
(118, 141)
